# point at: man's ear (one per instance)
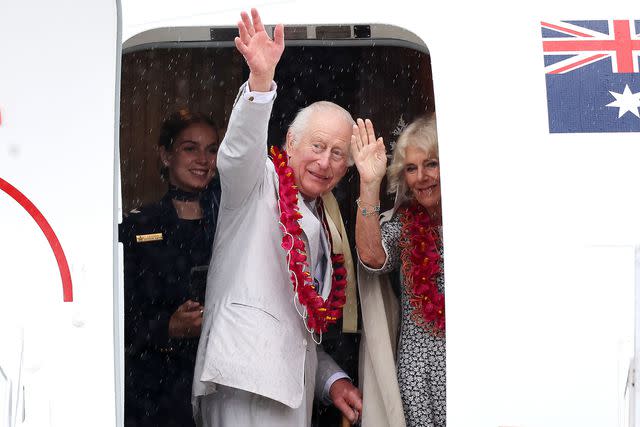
(164, 156)
(290, 140)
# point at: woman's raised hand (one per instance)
(261, 53)
(370, 157)
(368, 153)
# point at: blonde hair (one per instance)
(421, 133)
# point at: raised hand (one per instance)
(368, 153)
(261, 53)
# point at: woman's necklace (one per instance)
(420, 267)
(183, 195)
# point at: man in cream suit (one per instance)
(257, 364)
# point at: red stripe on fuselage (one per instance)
(63, 266)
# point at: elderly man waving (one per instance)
(276, 281)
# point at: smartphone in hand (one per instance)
(198, 283)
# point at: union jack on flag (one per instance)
(593, 75)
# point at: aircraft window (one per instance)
(390, 84)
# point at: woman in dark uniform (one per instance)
(167, 248)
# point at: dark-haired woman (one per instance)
(167, 248)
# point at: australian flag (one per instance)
(593, 75)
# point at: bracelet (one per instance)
(374, 209)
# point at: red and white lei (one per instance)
(320, 313)
(420, 267)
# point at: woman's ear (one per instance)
(164, 156)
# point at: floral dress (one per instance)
(421, 360)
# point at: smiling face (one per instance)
(192, 159)
(319, 158)
(422, 175)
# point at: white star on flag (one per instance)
(626, 101)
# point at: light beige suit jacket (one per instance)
(252, 337)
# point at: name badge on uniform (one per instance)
(142, 238)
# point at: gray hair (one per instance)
(301, 121)
(421, 133)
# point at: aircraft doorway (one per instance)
(386, 78)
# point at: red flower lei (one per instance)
(420, 267)
(320, 313)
